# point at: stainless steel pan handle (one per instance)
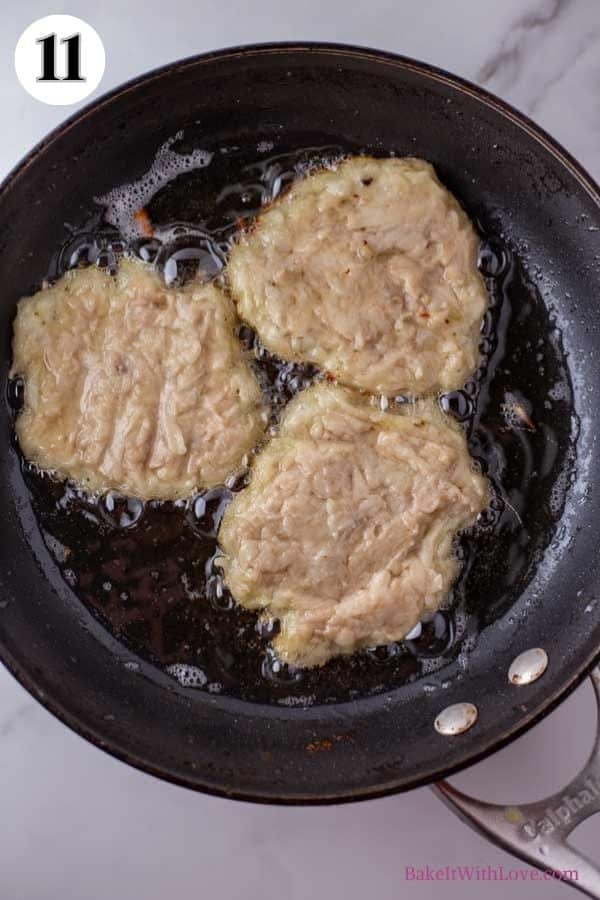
(537, 832)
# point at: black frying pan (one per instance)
(533, 579)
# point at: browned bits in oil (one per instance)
(319, 746)
(142, 220)
(517, 412)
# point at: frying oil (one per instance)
(146, 570)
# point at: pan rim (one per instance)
(352, 796)
(522, 120)
(345, 52)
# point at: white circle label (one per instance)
(60, 60)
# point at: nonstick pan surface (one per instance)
(366, 728)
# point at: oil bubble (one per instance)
(101, 248)
(277, 671)
(187, 260)
(293, 378)
(218, 595)
(414, 633)
(238, 481)
(457, 404)
(488, 518)
(487, 325)
(268, 628)
(384, 652)
(15, 394)
(120, 511)
(187, 675)
(435, 637)
(207, 510)
(497, 503)
(146, 250)
(107, 259)
(493, 258)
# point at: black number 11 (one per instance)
(49, 58)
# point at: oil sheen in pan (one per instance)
(146, 571)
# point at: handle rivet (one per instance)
(528, 666)
(456, 719)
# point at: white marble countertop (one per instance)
(77, 824)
